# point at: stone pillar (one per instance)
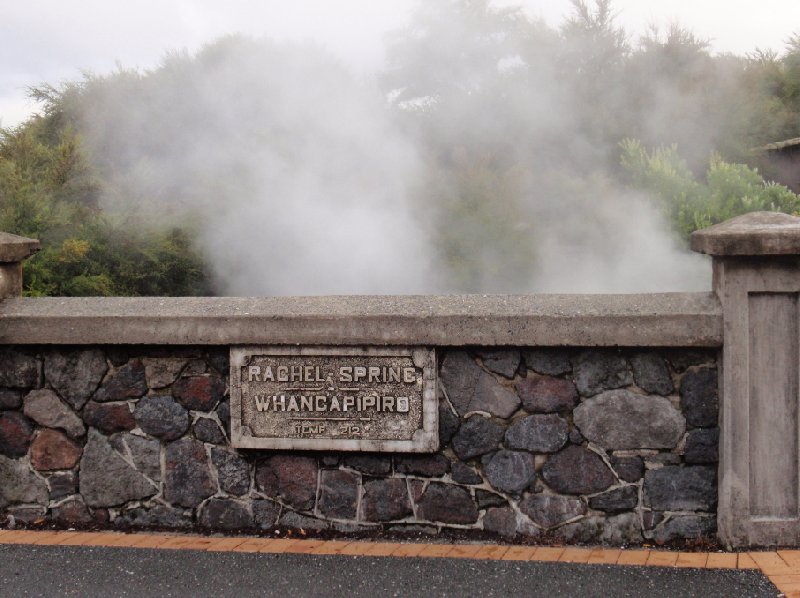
(756, 264)
(13, 251)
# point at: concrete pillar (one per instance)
(13, 251)
(756, 261)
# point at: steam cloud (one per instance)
(303, 179)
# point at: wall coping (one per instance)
(751, 234)
(658, 320)
(14, 248)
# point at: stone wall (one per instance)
(601, 445)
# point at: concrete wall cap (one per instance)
(756, 233)
(658, 319)
(14, 248)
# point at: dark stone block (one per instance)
(674, 488)
(486, 499)
(651, 373)
(615, 530)
(538, 434)
(62, 483)
(470, 388)
(369, 464)
(501, 361)
(72, 511)
(549, 511)
(429, 466)
(501, 521)
(551, 362)
(51, 450)
(575, 436)
(596, 371)
(650, 519)
(199, 393)
(338, 494)
(616, 500)
(162, 417)
(291, 478)
(459, 375)
(686, 527)
(448, 423)
(446, 503)
(225, 514)
(108, 417)
(386, 500)
(18, 484)
(10, 399)
(32, 515)
(699, 400)
(577, 470)
(655, 461)
(629, 469)
(207, 430)
(220, 361)
(16, 434)
(464, 474)
(156, 516)
(18, 370)
(233, 472)
(545, 394)
(297, 521)
(187, 481)
(683, 359)
(75, 375)
(511, 471)
(478, 435)
(118, 356)
(702, 446)
(265, 513)
(330, 460)
(224, 415)
(128, 382)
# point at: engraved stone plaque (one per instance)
(334, 398)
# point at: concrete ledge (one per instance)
(666, 319)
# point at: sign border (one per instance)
(425, 440)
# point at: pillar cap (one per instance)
(14, 248)
(756, 233)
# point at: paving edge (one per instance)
(782, 567)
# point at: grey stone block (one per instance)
(651, 373)
(674, 488)
(446, 503)
(596, 371)
(511, 471)
(538, 434)
(620, 419)
(75, 375)
(106, 479)
(576, 470)
(46, 409)
(477, 436)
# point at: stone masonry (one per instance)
(574, 446)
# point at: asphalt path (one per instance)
(95, 571)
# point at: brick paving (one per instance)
(782, 567)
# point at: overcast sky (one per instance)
(52, 40)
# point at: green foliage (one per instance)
(49, 192)
(689, 204)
